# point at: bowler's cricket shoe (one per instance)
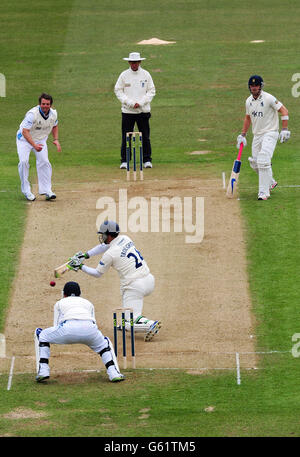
(123, 166)
(50, 196)
(154, 329)
(30, 196)
(147, 165)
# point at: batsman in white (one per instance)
(136, 281)
(32, 135)
(262, 112)
(75, 323)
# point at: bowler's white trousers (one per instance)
(43, 166)
(134, 293)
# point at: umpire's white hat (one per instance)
(134, 57)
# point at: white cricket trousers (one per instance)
(73, 331)
(43, 166)
(263, 147)
(134, 293)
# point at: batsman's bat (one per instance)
(235, 173)
(61, 270)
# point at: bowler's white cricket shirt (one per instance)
(263, 112)
(123, 256)
(73, 308)
(39, 126)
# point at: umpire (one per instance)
(135, 90)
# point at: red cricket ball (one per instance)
(52, 283)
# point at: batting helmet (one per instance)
(71, 288)
(108, 228)
(255, 80)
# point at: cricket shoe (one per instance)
(44, 373)
(50, 196)
(123, 166)
(30, 196)
(40, 378)
(114, 375)
(273, 185)
(262, 196)
(154, 329)
(147, 165)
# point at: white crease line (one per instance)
(238, 373)
(296, 185)
(55, 372)
(11, 373)
(278, 187)
(170, 353)
(155, 180)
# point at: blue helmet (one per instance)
(256, 80)
(71, 288)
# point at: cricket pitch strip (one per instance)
(201, 294)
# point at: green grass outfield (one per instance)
(74, 51)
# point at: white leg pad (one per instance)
(110, 355)
(253, 164)
(264, 172)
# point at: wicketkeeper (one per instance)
(74, 322)
(136, 281)
(262, 111)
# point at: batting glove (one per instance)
(241, 139)
(81, 255)
(74, 264)
(284, 135)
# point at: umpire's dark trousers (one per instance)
(128, 122)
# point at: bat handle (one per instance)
(240, 151)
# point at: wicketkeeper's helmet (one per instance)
(71, 288)
(108, 228)
(255, 80)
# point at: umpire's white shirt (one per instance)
(123, 256)
(135, 87)
(73, 307)
(263, 112)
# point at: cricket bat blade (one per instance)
(235, 173)
(61, 270)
